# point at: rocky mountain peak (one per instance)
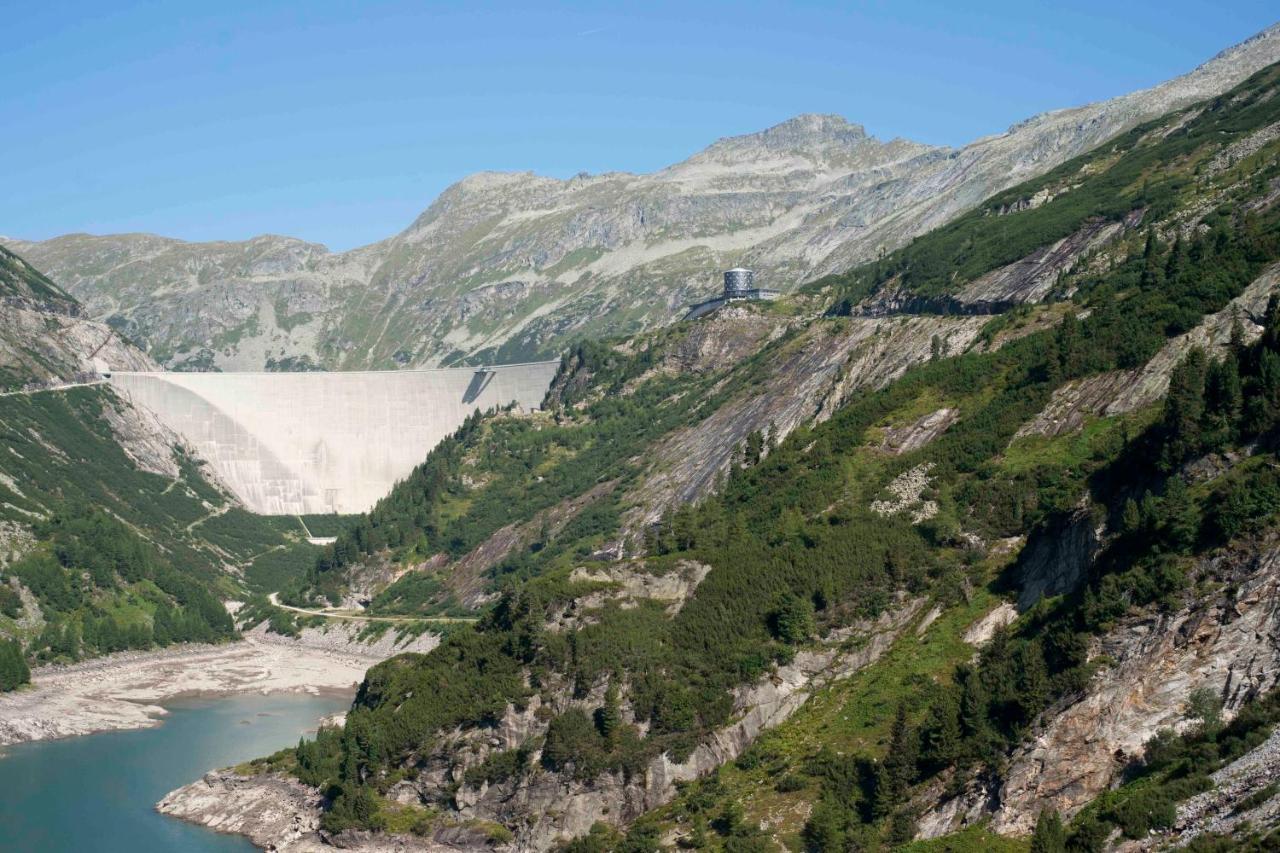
(810, 137)
(613, 252)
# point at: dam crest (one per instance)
(301, 443)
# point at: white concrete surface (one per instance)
(290, 443)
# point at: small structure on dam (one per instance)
(298, 443)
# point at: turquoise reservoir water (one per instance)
(97, 793)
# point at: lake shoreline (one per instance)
(100, 793)
(129, 689)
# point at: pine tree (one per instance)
(1183, 410)
(1131, 517)
(899, 768)
(1152, 275)
(13, 666)
(1224, 400)
(608, 717)
(1070, 349)
(1033, 680)
(1050, 836)
(793, 620)
(941, 736)
(973, 702)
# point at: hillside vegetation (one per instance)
(627, 643)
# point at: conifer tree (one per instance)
(941, 735)
(1184, 410)
(13, 666)
(1049, 836)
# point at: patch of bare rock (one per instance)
(1225, 642)
(918, 433)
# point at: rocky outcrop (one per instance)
(145, 440)
(1032, 279)
(1122, 391)
(543, 808)
(981, 632)
(516, 265)
(1227, 642)
(918, 433)
(274, 812)
(39, 349)
(279, 813)
(1057, 557)
(810, 377)
(731, 335)
(630, 583)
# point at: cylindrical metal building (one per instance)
(738, 282)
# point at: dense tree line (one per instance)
(102, 589)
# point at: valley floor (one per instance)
(126, 690)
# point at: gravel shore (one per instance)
(126, 690)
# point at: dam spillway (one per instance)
(298, 443)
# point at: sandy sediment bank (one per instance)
(126, 690)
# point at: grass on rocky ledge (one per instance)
(852, 716)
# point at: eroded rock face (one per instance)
(145, 440)
(1056, 559)
(1228, 643)
(809, 380)
(50, 349)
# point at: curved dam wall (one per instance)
(292, 443)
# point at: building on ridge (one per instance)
(739, 285)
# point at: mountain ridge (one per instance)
(512, 266)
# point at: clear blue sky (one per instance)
(339, 122)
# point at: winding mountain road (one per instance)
(274, 598)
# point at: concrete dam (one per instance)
(294, 443)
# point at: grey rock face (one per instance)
(1056, 559)
(1122, 391)
(506, 267)
(1226, 643)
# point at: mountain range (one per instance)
(507, 267)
